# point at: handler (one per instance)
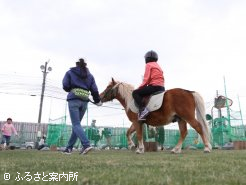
(78, 82)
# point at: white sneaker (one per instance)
(85, 151)
(143, 114)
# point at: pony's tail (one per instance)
(200, 114)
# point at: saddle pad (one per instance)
(155, 103)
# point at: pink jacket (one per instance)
(153, 75)
(8, 129)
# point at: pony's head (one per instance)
(110, 92)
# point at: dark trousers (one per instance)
(6, 139)
(139, 94)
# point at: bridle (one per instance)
(110, 94)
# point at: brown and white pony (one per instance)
(178, 105)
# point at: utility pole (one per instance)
(219, 109)
(45, 72)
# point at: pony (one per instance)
(178, 105)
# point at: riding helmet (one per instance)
(151, 56)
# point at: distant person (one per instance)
(93, 133)
(107, 133)
(160, 136)
(93, 123)
(7, 130)
(41, 143)
(79, 82)
(153, 81)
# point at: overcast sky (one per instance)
(198, 42)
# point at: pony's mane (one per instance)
(125, 90)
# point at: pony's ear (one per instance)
(113, 80)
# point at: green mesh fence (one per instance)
(116, 137)
(172, 137)
(238, 133)
(59, 134)
(102, 137)
(226, 131)
(224, 134)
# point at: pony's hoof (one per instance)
(176, 151)
(131, 147)
(207, 150)
(140, 151)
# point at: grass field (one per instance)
(125, 167)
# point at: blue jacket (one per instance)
(73, 79)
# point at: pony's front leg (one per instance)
(129, 132)
(139, 130)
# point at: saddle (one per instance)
(152, 102)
